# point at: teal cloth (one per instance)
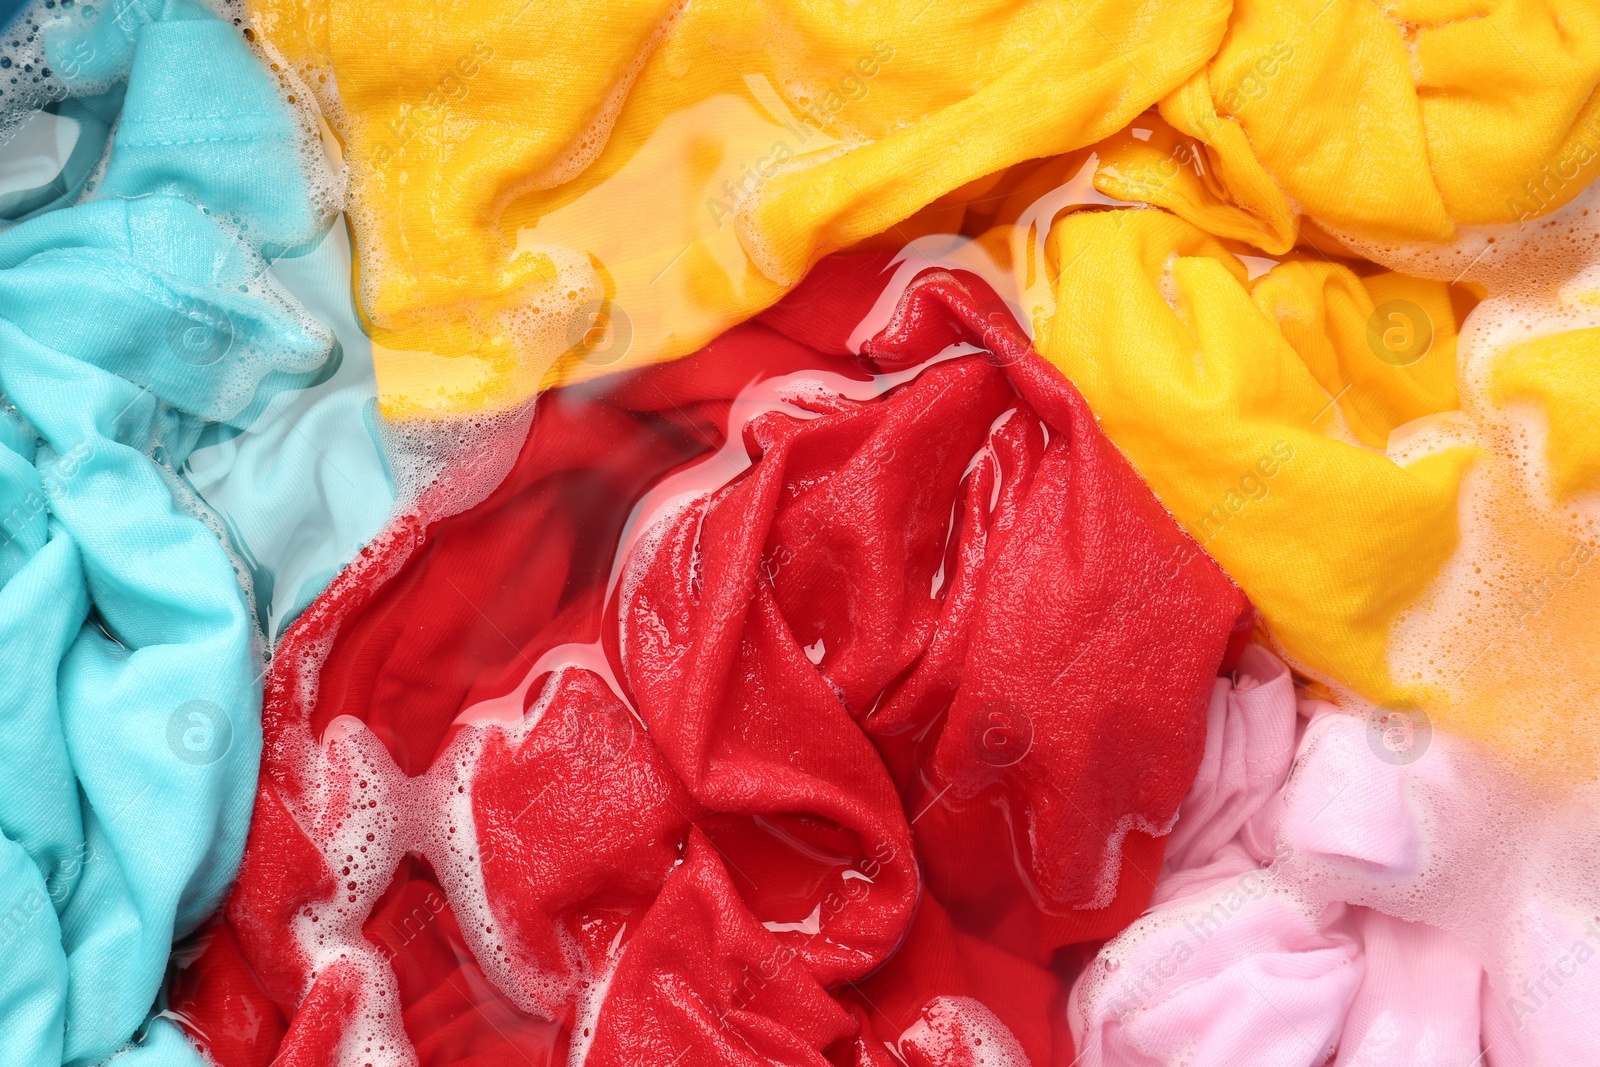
(307, 484)
(132, 326)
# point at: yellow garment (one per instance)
(531, 175)
(1562, 373)
(1222, 394)
(1401, 120)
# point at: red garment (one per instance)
(825, 772)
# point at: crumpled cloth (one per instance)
(1398, 122)
(1242, 961)
(307, 483)
(1557, 372)
(1258, 411)
(906, 686)
(704, 155)
(129, 735)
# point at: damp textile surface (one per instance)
(130, 710)
(606, 818)
(1014, 533)
(140, 331)
(739, 143)
(685, 163)
(1351, 984)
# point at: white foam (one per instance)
(962, 1032)
(364, 815)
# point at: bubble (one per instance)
(1399, 332)
(1399, 732)
(199, 733)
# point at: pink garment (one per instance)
(1230, 968)
(1551, 1013)
(1345, 805)
(1419, 1000)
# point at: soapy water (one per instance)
(1501, 745)
(1519, 679)
(367, 815)
(287, 533)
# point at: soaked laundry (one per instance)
(691, 796)
(689, 170)
(131, 738)
(735, 514)
(1263, 945)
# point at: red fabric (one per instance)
(222, 1004)
(888, 705)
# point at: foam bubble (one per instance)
(962, 1032)
(364, 815)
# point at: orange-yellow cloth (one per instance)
(1561, 373)
(1258, 412)
(618, 183)
(1400, 120)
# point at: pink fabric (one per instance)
(1551, 1015)
(1226, 822)
(1345, 805)
(1419, 999)
(1231, 968)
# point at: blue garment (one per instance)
(307, 485)
(131, 327)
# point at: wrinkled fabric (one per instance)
(130, 735)
(1403, 121)
(1256, 411)
(784, 802)
(490, 237)
(1237, 963)
(1557, 374)
(526, 173)
(305, 485)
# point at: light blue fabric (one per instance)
(307, 485)
(131, 326)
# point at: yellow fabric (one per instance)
(1403, 120)
(546, 191)
(1220, 393)
(1152, 163)
(1562, 374)
(526, 172)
